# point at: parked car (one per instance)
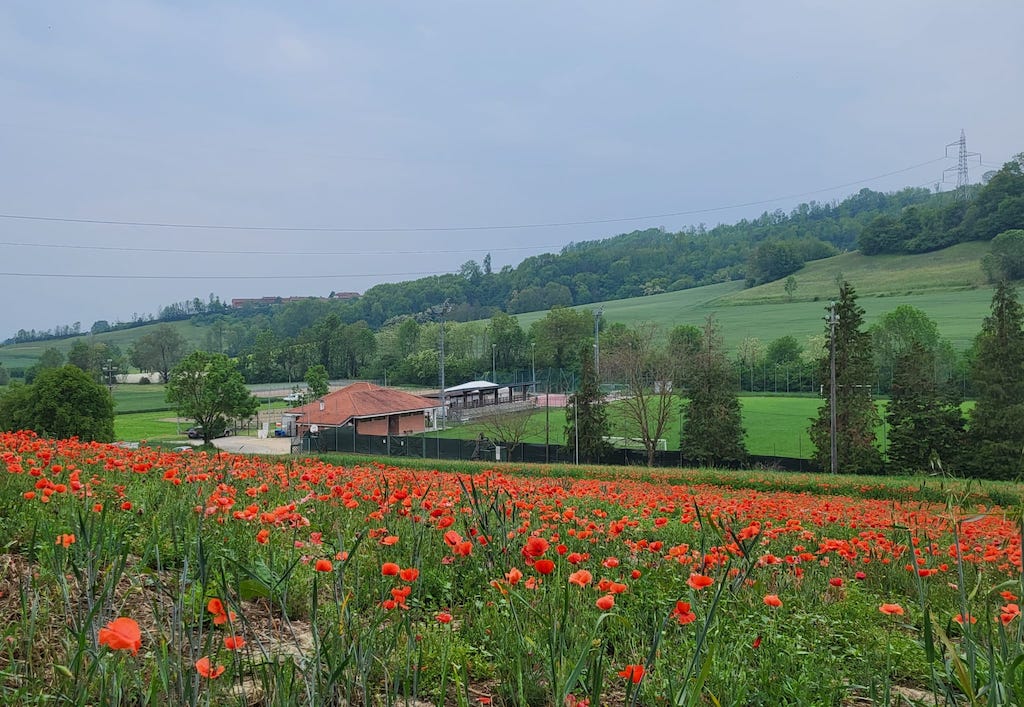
(197, 432)
(292, 397)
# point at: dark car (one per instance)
(197, 432)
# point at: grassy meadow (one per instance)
(143, 577)
(947, 285)
(24, 355)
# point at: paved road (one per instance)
(254, 445)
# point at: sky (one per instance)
(337, 145)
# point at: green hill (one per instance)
(24, 355)
(957, 267)
(947, 285)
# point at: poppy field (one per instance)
(152, 577)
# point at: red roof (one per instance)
(360, 400)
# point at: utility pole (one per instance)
(494, 374)
(110, 369)
(833, 321)
(597, 344)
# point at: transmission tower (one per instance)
(963, 157)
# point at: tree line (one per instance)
(928, 429)
(655, 377)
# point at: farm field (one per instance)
(140, 576)
(24, 355)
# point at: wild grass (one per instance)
(277, 582)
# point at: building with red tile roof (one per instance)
(371, 409)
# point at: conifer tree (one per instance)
(585, 410)
(926, 426)
(712, 432)
(856, 415)
(996, 430)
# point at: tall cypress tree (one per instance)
(856, 415)
(712, 431)
(926, 426)
(996, 431)
(586, 410)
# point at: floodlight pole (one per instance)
(833, 320)
(444, 410)
(533, 365)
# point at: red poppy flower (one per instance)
(535, 547)
(772, 600)
(544, 566)
(204, 668)
(233, 643)
(836, 581)
(409, 574)
(121, 634)
(1008, 613)
(699, 581)
(606, 602)
(891, 609)
(513, 576)
(634, 673)
(581, 578)
(390, 569)
(683, 613)
(444, 617)
(323, 565)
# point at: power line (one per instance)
(434, 229)
(236, 251)
(219, 277)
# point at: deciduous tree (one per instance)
(316, 380)
(159, 350)
(62, 402)
(208, 388)
(647, 373)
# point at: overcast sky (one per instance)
(430, 115)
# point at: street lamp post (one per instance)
(533, 365)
